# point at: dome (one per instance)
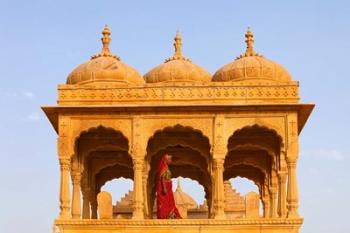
(177, 69)
(105, 68)
(252, 67)
(183, 199)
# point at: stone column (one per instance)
(64, 188)
(292, 196)
(218, 188)
(76, 206)
(145, 197)
(86, 203)
(138, 189)
(94, 208)
(266, 203)
(273, 197)
(282, 178)
(291, 158)
(93, 200)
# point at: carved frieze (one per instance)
(70, 94)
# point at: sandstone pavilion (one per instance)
(243, 121)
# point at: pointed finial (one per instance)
(250, 45)
(178, 45)
(106, 40)
(250, 42)
(178, 188)
(178, 49)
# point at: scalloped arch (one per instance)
(170, 127)
(270, 128)
(86, 128)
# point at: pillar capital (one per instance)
(65, 163)
(273, 190)
(218, 163)
(76, 177)
(291, 161)
(282, 176)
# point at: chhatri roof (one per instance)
(104, 67)
(251, 80)
(252, 67)
(177, 68)
(182, 198)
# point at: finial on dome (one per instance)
(178, 45)
(178, 49)
(106, 40)
(250, 45)
(250, 42)
(178, 188)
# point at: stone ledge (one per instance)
(182, 222)
(68, 95)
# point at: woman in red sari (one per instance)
(166, 208)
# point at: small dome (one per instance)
(183, 199)
(177, 69)
(105, 68)
(252, 67)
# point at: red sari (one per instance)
(166, 208)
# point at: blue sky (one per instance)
(42, 41)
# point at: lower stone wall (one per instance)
(180, 226)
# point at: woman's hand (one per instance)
(165, 191)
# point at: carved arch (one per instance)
(202, 125)
(175, 127)
(84, 126)
(237, 126)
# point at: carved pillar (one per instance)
(273, 197)
(76, 208)
(64, 188)
(145, 198)
(218, 188)
(138, 162)
(292, 196)
(93, 199)
(86, 202)
(282, 178)
(138, 189)
(266, 203)
(94, 208)
(292, 157)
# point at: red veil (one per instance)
(166, 207)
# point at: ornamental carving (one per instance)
(218, 92)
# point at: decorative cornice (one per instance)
(204, 94)
(182, 222)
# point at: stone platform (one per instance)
(258, 225)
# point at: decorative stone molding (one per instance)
(180, 94)
(185, 222)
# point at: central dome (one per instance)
(105, 68)
(177, 69)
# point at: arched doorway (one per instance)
(254, 153)
(191, 158)
(101, 155)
